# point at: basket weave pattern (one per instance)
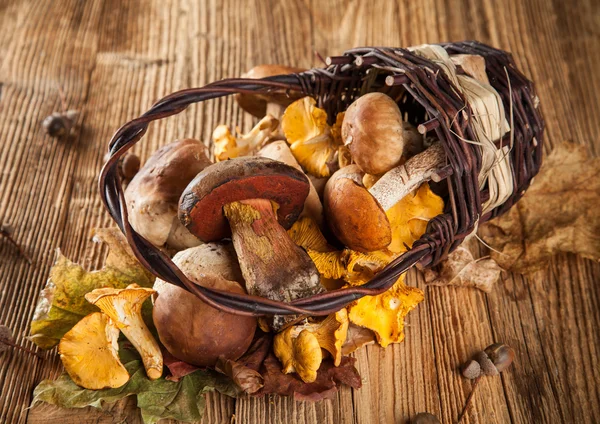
(429, 98)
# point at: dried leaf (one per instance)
(461, 269)
(559, 213)
(177, 367)
(157, 399)
(62, 304)
(325, 386)
(245, 378)
(356, 338)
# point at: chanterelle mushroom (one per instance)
(298, 352)
(190, 329)
(357, 216)
(227, 146)
(310, 137)
(90, 353)
(260, 198)
(330, 334)
(124, 308)
(261, 103)
(153, 194)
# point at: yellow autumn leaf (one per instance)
(62, 304)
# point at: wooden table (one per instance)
(113, 59)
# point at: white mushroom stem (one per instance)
(280, 151)
(403, 179)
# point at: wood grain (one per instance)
(113, 59)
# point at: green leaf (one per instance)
(158, 399)
(62, 304)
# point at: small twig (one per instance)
(5, 232)
(468, 401)
(320, 58)
(24, 349)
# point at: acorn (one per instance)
(59, 124)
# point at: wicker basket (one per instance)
(431, 101)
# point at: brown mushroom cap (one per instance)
(373, 131)
(189, 328)
(201, 204)
(256, 104)
(152, 196)
(353, 214)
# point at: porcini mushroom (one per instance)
(90, 353)
(190, 329)
(373, 131)
(357, 216)
(279, 150)
(310, 137)
(273, 102)
(353, 214)
(124, 308)
(299, 353)
(153, 194)
(227, 146)
(254, 199)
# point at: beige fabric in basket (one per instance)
(489, 122)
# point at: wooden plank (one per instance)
(37, 172)
(114, 59)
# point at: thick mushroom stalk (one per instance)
(255, 200)
(357, 215)
(124, 307)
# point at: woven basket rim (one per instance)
(335, 87)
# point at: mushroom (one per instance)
(384, 313)
(373, 132)
(272, 102)
(299, 353)
(90, 353)
(226, 146)
(153, 194)
(279, 151)
(124, 308)
(190, 329)
(310, 137)
(357, 216)
(260, 198)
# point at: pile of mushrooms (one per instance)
(267, 217)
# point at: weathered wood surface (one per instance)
(113, 59)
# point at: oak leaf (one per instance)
(559, 213)
(462, 270)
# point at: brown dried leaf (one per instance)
(177, 367)
(356, 338)
(245, 378)
(559, 213)
(462, 270)
(325, 386)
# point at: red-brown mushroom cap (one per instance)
(201, 204)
